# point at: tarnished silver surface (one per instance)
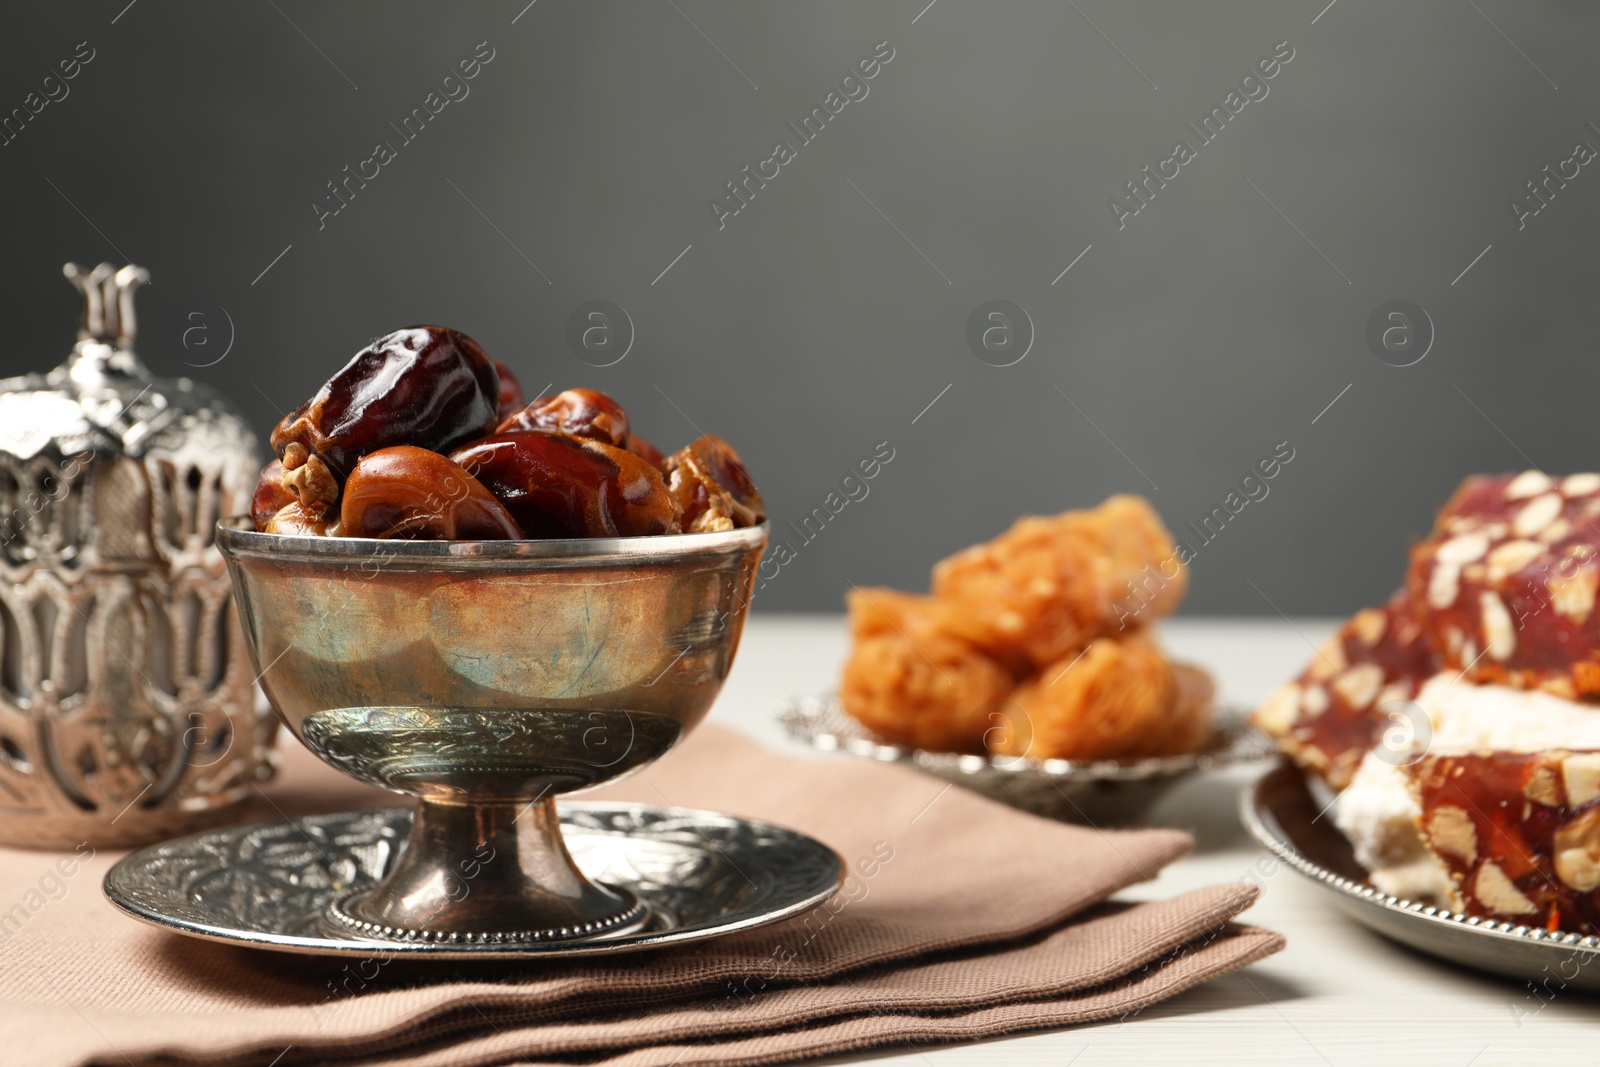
(699, 875)
(484, 679)
(127, 704)
(1098, 792)
(1280, 812)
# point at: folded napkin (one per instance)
(961, 919)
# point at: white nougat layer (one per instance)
(1494, 718)
(1377, 812)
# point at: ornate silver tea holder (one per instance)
(485, 679)
(128, 708)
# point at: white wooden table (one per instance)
(1337, 995)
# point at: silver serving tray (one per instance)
(1095, 793)
(701, 874)
(1280, 812)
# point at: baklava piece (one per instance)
(1048, 586)
(1120, 698)
(911, 682)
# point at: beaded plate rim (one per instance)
(821, 722)
(634, 916)
(1371, 905)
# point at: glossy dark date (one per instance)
(428, 386)
(580, 412)
(511, 399)
(711, 488)
(270, 495)
(646, 451)
(412, 493)
(559, 485)
(422, 435)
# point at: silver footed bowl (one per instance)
(485, 678)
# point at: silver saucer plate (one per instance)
(1281, 813)
(701, 875)
(1097, 792)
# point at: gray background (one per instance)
(808, 330)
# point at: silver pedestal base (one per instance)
(694, 875)
(343, 919)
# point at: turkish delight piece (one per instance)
(1519, 833)
(1328, 718)
(1506, 582)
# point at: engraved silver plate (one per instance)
(699, 875)
(1101, 791)
(1280, 812)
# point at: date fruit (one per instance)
(412, 493)
(511, 398)
(711, 488)
(428, 386)
(580, 412)
(295, 521)
(560, 485)
(645, 450)
(270, 496)
(422, 436)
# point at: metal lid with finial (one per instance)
(103, 404)
(103, 398)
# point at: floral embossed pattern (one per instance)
(701, 874)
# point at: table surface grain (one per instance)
(1337, 995)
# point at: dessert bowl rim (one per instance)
(238, 538)
(821, 722)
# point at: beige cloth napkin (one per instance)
(963, 919)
